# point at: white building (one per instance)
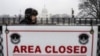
(44, 13)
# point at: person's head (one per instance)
(31, 14)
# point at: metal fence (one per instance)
(54, 21)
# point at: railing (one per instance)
(54, 21)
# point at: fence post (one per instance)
(41, 21)
(68, 21)
(13, 20)
(74, 21)
(52, 20)
(91, 22)
(1, 41)
(96, 20)
(19, 19)
(8, 20)
(57, 20)
(98, 44)
(85, 21)
(3, 20)
(63, 21)
(46, 20)
(79, 21)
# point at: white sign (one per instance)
(49, 41)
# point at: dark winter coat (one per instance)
(28, 22)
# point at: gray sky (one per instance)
(13, 7)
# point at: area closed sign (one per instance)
(49, 41)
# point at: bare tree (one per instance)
(90, 8)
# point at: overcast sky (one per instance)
(13, 7)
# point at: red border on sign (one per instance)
(43, 55)
(51, 31)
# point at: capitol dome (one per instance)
(44, 11)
